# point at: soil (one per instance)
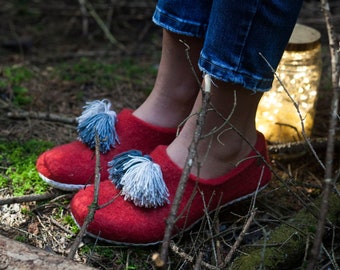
(41, 36)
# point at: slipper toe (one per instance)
(132, 217)
(71, 166)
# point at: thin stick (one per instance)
(56, 223)
(298, 112)
(30, 198)
(199, 261)
(210, 231)
(92, 208)
(190, 258)
(85, 21)
(186, 171)
(240, 238)
(292, 148)
(187, 54)
(328, 180)
(42, 116)
(103, 26)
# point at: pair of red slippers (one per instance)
(137, 189)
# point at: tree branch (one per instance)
(186, 171)
(29, 198)
(328, 179)
(92, 208)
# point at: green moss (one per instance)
(106, 252)
(16, 75)
(285, 246)
(17, 163)
(13, 78)
(69, 221)
(21, 238)
(283, 243)
(119, 257)
(26, 211)
(103, 74)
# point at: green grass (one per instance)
(126, 258)
(21, 238)
(12, 78)
(17, 163)
(103, 74)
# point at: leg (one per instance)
(218, 153)
(238, 69)
(176, 86)
(229, 170)
(154, 123)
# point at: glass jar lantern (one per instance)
(299, 71)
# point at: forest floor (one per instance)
(51, 63)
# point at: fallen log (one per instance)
(16, 255)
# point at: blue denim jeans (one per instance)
(235, 33)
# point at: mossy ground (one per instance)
(17, 162)
(56, 69)
(18, 174)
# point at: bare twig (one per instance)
(61, 226)
(298, 112)
(187, 54)
(210, 231)
(328, 179)
(199, 261)
(103, 26)
(267, 253)
(85, 21)
(109, 15)
(240, 238)
(29, 198)
(186, 171)
(56, 57)
(301, 147)
(251, 216)
(92, 208)
(189, 258)
(226, 122)
(42, 116)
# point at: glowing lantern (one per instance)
(299, 71)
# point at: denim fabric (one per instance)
(235, 32)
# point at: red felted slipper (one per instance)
(142, 189)
(71, 166)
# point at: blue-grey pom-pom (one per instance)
(139, 178)
(98, 119)
(116, 166)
